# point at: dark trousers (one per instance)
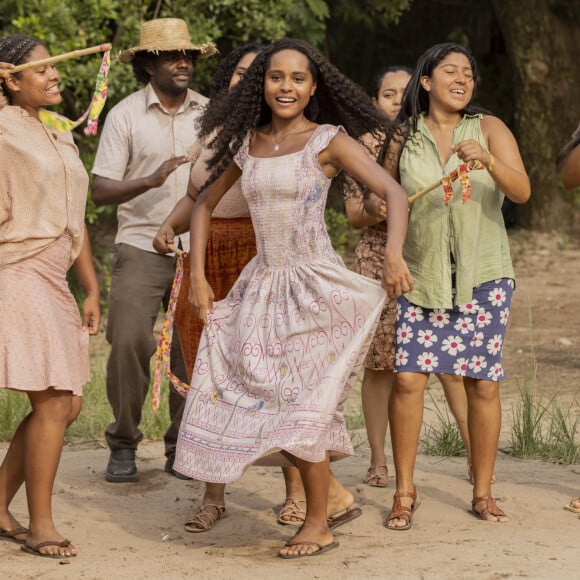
(140, 283)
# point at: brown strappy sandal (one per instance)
(203, 519)
(293, 512)
(490, 509)
(401, 511)
(377, 476)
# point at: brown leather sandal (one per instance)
(204, 518)
(377, 476)
(490, 509)
(13, 534)
(401, 511)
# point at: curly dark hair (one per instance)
(14, 49)
(416, 98)
(140, 61)
(220, 81)
(337, 101)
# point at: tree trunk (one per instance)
(542, 39)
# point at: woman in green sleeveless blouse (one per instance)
(454, 319)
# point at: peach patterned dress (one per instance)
(282, 350)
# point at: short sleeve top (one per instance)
(43, 187)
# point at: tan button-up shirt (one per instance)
(138, 136)
(43, 187)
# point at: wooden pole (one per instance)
(424, 191)
(65, 56)
(471, 166)
(175, 249)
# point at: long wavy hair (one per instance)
(14, 49)
(337, 101)
(220, 81)
(416, 98)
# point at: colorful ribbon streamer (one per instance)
(58, 122)
(162, 359)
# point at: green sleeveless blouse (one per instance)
(473, 233)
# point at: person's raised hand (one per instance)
(158, 178)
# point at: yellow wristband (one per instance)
(489, 166)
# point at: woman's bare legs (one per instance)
(406, 417)
(454, 390)
(215, 494)
(339, 498)
(33, 459)
(484, 420)
(12, 478)
(315, 478)
(376, 390)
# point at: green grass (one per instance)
(442, 437)
(543, 429)
(540, 429)
(95, 415)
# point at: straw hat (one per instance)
(162, 35)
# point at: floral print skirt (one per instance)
(369, 256)
(466, 340)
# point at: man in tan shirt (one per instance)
(141, 166)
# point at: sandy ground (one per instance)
(134, 531)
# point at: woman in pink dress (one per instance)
(43, 340)
(279, 354)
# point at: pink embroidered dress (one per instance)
(281, 352)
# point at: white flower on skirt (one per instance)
(464, 325)
(494, 344)
(470, 308)
(495, 371)
(402, 356)
(404, 333)
(476, 339)
(483, 318)
(428, 361)
(414, 313)
(504, 316)
(426, 338)
(497, 296)
(460, 366)
(439, 318)
(453, 345)
(477, 363)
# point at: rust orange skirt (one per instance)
(231, 245)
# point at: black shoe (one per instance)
(169, 469)
(121, 467)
